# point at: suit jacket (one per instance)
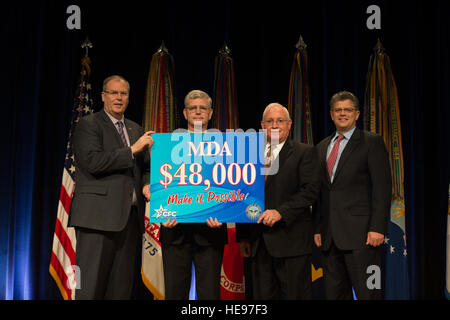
(106, 174)
(359, 199)
(291, 191)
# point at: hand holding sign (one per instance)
(169, 224)
(145, 141)
(269, 217)
(213, 223)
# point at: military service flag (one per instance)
(225, 117)
(382, 116)
(299, 106)
(160, 115)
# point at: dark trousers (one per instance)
(344, 269)
(178, 259)
(280, 278)
(107, 260)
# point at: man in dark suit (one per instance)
(280, 245)
(354, 204)
(199, 243)
(107, 210)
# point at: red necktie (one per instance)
(331, 161)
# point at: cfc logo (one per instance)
(164, 213)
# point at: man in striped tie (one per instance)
(279, 246)
(353, 208)
(112, 179)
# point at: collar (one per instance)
(276, 147)
(347, 135)
(114, 120)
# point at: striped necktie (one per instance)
(268, 162)
(120, 125)
(331, 161)
(121, 133)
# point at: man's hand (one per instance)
(145, 141)
(169, 224)
(213, 223)
(269, 217)
(146, 191)
(245, 248)
(374, 239)
(318, 239)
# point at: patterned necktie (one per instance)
(121, 133)
(268, 162)
(119, 125)
(331, 161)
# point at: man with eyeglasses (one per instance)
(108, 206)
(353, 208)
(200, 244)
(280, 244)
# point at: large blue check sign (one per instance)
(195, 176)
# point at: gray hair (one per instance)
(276, 104)
(115, 77)
(197, 94)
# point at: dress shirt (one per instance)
(276, 148)
(347, 135)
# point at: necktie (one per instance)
(331, 161)
(121, 133)
(268, 162)
(119, 125)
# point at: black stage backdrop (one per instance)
(41, 65)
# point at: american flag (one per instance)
(62, 264)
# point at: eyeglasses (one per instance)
(194, 108)
(116, 93)
(270, 122)
(346, 110)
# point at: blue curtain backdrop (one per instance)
(41, 63)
